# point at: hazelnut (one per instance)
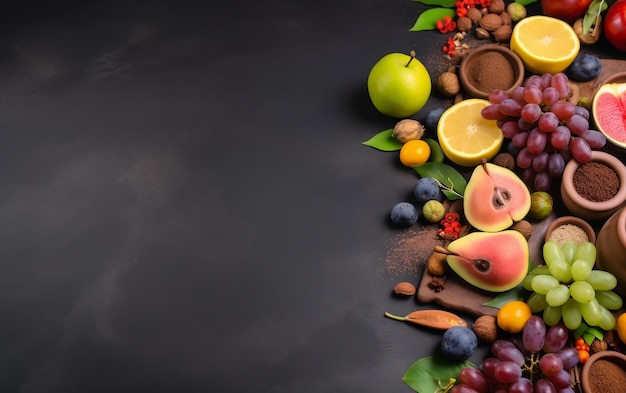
(463, 23)
(404, 288)
(474, 14)
(505, 160)
(408, 129)
(497, 6)
(490, 22)
(524, 227)
(590, 37)
(486, 328)
(506, 18)
(448, 84)
(503, 33)
(436, 263)
(598, 346)
(481, 33)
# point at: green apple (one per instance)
(399, 85)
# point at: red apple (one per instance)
(615, 25)
(567, 10)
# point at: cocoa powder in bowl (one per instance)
(491, 67)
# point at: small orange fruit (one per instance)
(513, 316)
(414, 152)
(621, 327)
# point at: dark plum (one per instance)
(404, 214)
(585, 67)
(427, 189)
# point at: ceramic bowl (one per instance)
(584, 208)
(468, 77)
(611, 242)
(619, 77)
(571, 220)
(589, 373)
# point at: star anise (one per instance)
(437, 283)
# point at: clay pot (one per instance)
(588, 369)
(611, 248)
(579, 222)
(584, 208)
(515, 62)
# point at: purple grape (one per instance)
(536, 141)
(489, 366)
(519, 139)
(568, 389)
(550, 96)
(473, 378)
(561, 380)
(595, 139)
(560, 137)
(518, 95)
(510, 107)
(540, 161)
(582, 111)
(548, 122)
(524, 158)
(569, 357)
(545, 80)
(544, 386)
(580, 150)
(492, 112)
(509, 129)
(511, 148)
(532, 94)
(510, 354)
(523, 385)
(524, 125)
(530, 112)
(577, 124)
(543, 181)
(534, 80)
(534, 332)
(550, 364)
(497, 96)
(561, 83)
(556, 165)
(528, 176)
(507, 372)
(556, 337)
(563, 109)
(462, 388)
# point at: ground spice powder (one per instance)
(491, 71)
(569, 232)
(595, 181)
(410, 248)
(606, 376)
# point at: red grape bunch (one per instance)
(544, 128)
(537, 362)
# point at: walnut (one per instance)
(598, 346)
(497, 6)
(474, 14)
(524, 227)
(448, 84)
(490, 22)
(481, 33)
(503, 33)
(463, 23)
(505, 160)
(506, 18)
(590, 37)
(408, 129)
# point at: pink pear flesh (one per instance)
(495, 198)
(494, 262)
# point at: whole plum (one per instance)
(432, 118)
(585, 67)
(404, 214)
(458, 343)
(427, 189)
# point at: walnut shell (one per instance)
(503, 33)
(481, 33)
(486, 328)
(496, 6)
(490, 22)
(408, 129)
(463, 23)
(506, 18)
(474, 14)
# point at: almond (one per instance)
(486, 328)
(404, 288)
(503, 33)
(490, 22)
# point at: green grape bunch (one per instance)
(568, 288)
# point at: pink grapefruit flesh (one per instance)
(609, 112)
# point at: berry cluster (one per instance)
(450, 226)
(463, 5)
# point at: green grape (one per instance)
(601, 280)
(591, 312)
(560, 270)
(552, 252)
(608, 320)
(568, 249)
(526, 283)
(542, 283)
(609, 299)
(586, 251)
(580, 269)
(582, 292)
(536, 302)
(552, 315)
(541, 269)
(572, 318)
(557, 295)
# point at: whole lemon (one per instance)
(513, 316)
(399, 85)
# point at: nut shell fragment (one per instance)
(404, 288)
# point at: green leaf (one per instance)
(441, 3)
(591, 16)
(526, 2)
(503, 298)
(424, 374)
(384, 141)
(597, 333)
(453, 182)
(428, 18)
(581, 329)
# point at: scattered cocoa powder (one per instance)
(492, 71)
(595, 181)
(411, 247)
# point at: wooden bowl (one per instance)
(571, 220)
(617, 360)
(467, 65)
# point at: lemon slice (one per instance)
(465, 136)
(545, 44)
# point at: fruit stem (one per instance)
(412, 54)
(447, 388)
(397, 318)
(442, 250)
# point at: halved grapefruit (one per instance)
(609, 112)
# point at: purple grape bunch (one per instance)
(545, 129)
(537, 361)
